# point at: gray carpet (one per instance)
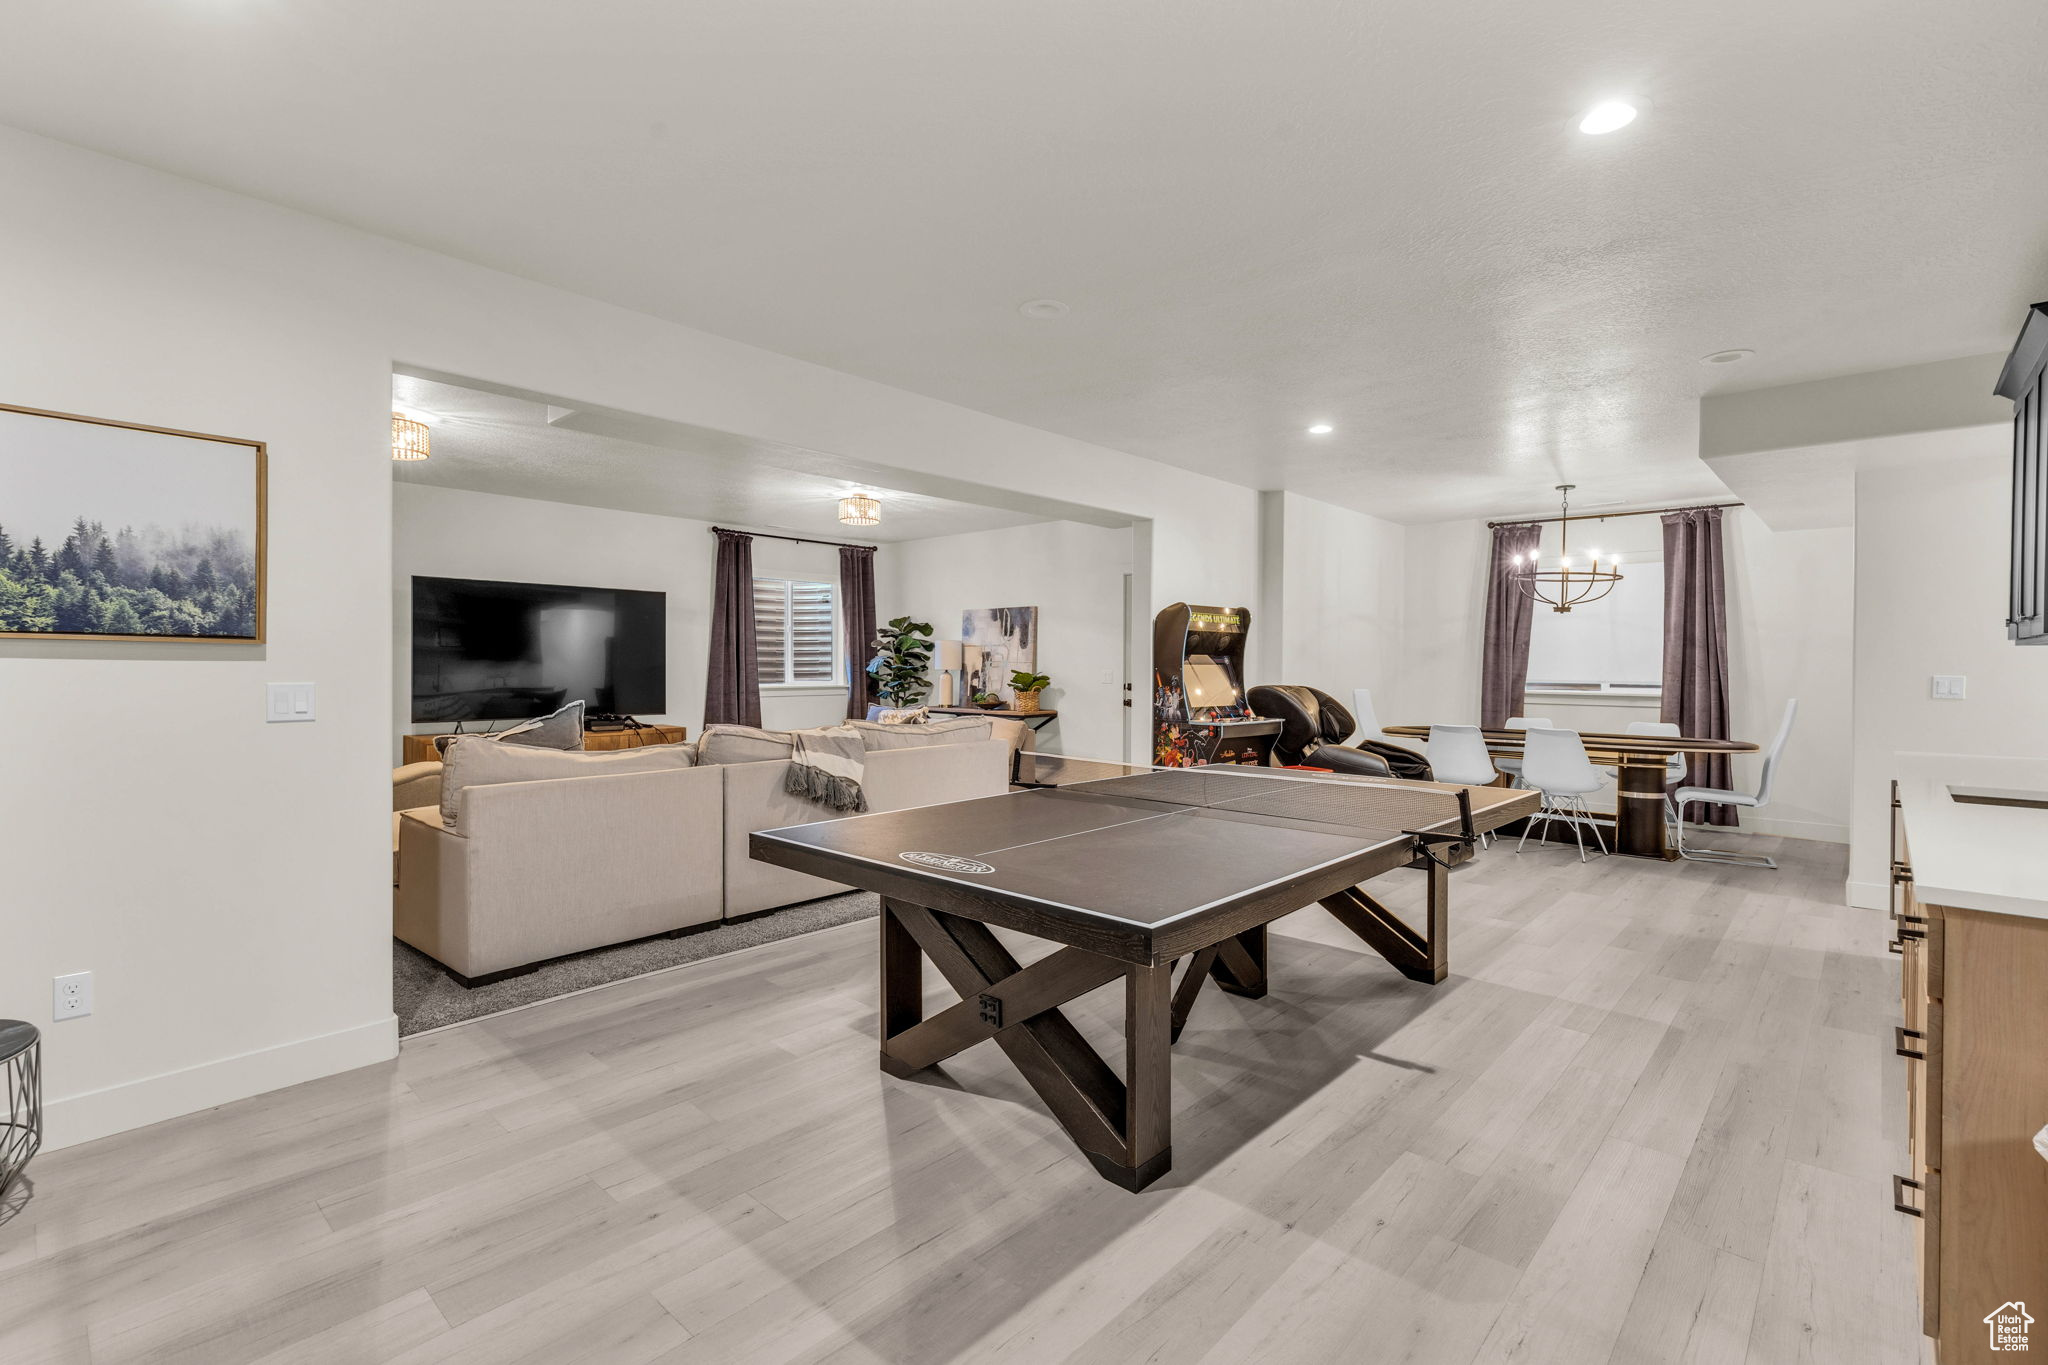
(425, 997)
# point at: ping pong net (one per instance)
(1387, 806)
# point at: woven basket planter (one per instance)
(1026, 702)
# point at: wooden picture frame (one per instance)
(136, 542)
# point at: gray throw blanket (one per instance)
(825, 766)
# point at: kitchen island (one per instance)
(1970, 909)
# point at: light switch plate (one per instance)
(1950, 688)
(290, 702)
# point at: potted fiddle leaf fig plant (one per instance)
(903, 654)
(1025, 687)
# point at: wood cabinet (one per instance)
(1974, 1039)
(2026, 614)
(420, 748)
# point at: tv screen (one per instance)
(484, 650)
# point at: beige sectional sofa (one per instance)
(540, 869)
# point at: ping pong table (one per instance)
(1130, 874)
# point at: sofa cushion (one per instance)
(562, 729)
(742, 744)
(474, 761)
(416, 784)
(965, 730)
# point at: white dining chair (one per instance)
(1367, 718)
(1511, 764)
(1554, 762)
(1717, 796)
(1457, 753)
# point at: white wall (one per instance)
(1790, 614)
(1073, 574)
(455, 533)
(1932, 537)
(228, 881)
(1332, 608)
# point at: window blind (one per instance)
(793, 630)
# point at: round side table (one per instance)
(21, 1059)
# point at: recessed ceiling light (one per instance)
(1727, 357)
(1321, 429)
(1043, 308)
(1607, 116)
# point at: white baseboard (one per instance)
(135, 1104)
(1868, 895)
(1795, 829)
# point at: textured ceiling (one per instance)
(492, 443)
(1262, 215)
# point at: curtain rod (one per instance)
(1604, 516)
(798, 540)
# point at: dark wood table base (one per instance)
(1123, 1126)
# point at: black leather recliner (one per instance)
(1315, 724)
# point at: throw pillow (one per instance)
(561, 729)
(902, 715)
(965, 730)
(742, 744)
(478, 761)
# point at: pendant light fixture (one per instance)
(859, 509)
(1566, 586)
(408, 438)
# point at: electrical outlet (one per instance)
(71, 996)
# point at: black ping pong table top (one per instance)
(1140, 860)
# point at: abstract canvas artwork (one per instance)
(113, 531)
(997, 641)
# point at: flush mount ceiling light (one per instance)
(1321, 429)
(408, 438)
(1043, 308)
(1733, 357)
(1606, 117)
(859, 509)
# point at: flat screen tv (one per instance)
(484, 650)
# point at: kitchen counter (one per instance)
(1975, 856)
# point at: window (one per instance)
(794, 639)
(1614, 646)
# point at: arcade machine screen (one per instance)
(1209, 684)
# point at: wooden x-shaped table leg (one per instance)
(1239, 963)
(1122, 1126)
(1419, 955)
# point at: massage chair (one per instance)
(1315, 724)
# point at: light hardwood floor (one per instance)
(1651, 1117)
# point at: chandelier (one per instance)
(408, 438)
(860, 510)
(1566, 586)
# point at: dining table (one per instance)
(1640, 776)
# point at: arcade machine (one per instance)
(1198, 705)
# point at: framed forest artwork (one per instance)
(116, 531)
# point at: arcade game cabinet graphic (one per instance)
(1198, 707)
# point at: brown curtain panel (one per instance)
(857, 615)
(732, 683)
(1696, 645)
(1505, 667)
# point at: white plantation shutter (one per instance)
(811, 656)
(771, 630)
(793, 632)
